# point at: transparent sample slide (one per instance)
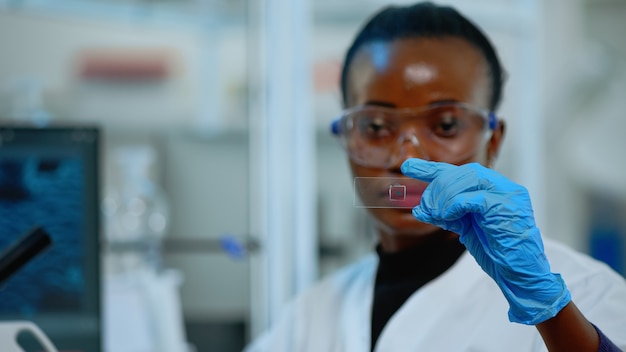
(387, 192)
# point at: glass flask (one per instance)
(135, 208)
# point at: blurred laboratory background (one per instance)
(222, 193)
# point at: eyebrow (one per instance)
(443, 101)
(392, 105)
(380, 103)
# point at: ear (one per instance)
(494, 144)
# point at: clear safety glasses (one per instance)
(376, 136)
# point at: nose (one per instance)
(408, 146)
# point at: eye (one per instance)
(375, 127)
(447, 125)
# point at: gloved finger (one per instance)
(474, 202)
(450, 183)
(429, 208)
(475, 209)
(424, 170)
(497, 211)
(423, 215)
(460, 212)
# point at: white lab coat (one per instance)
(461, 310)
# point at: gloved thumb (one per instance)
(423, 170)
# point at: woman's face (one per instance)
(414, 73)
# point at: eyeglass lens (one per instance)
(381, 137)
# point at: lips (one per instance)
(394, 191)
(412, 198)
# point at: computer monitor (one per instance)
(49, 178)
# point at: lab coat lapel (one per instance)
(357, 310)
(421, 324)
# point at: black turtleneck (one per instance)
(400, 274)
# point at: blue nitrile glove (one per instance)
(495, 221)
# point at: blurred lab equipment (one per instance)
(11, 259)
(9, 332)
(136, 210)
(49, 176)
(22, 251)
(142, 303)
(143, 312)
(27, 102)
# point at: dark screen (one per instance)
(48, 178)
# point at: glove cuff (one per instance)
(531, 306)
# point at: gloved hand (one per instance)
(495, 221)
